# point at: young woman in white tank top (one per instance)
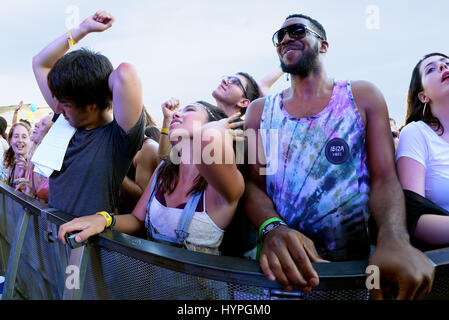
(202, 135)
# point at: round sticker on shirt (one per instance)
(337, 151)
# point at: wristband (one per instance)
(164, 131)
(70, 40)
(107, 216)
(269, 225)
(113, 221)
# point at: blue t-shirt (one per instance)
(95, 164)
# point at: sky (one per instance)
(182, 48)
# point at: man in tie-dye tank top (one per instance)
(329, 166)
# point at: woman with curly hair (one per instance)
(15, 158)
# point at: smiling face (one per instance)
(299, 56)
(20, 140)
(434, 73)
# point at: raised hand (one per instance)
(169, 107)
(230, 125)
(19, 106)
(99, 22)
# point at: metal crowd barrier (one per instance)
(118, 266)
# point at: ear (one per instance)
(423, 98)
(324, 46)
(243, 103)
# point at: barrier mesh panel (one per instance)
(111, 275)
(38, 274)
(440, 288)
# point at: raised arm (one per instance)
(126, 89)
(400, 264)
(220, 170)
(168, 108)
(16, 111)
(267, 81)
(47, 57)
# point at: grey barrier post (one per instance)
(78, 257)
(14, 256)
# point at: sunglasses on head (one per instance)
(295, 31)
(235, 81)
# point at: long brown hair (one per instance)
(415, 108)
(9, 159)
(168, 173)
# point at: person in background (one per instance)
(4, 147)
(141, 169)
(153, 132)
(394, 132)
(423, 152)
(15, 158)
(33, 184)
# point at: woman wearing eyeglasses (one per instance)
(191, 200)
(423, 151)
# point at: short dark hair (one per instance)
(252, 88)
(82, 76)
(318, 26)
(415, 108)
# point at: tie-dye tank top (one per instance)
(319, 181)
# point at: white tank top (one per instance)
(203, 234)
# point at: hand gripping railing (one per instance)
(120, 266)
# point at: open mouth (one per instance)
(20, 146)
(174, 122)
(445, 76)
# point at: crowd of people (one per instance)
(336, 189)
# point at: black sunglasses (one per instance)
(296, 31)
(236, 81)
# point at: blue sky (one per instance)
(182, 48)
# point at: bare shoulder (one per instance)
(367, 95)
(149, 150)
(254, 113)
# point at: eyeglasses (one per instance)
(296, 31)
(235, 81)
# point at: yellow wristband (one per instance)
(107, 216)
(70, 40)
(164, 130)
